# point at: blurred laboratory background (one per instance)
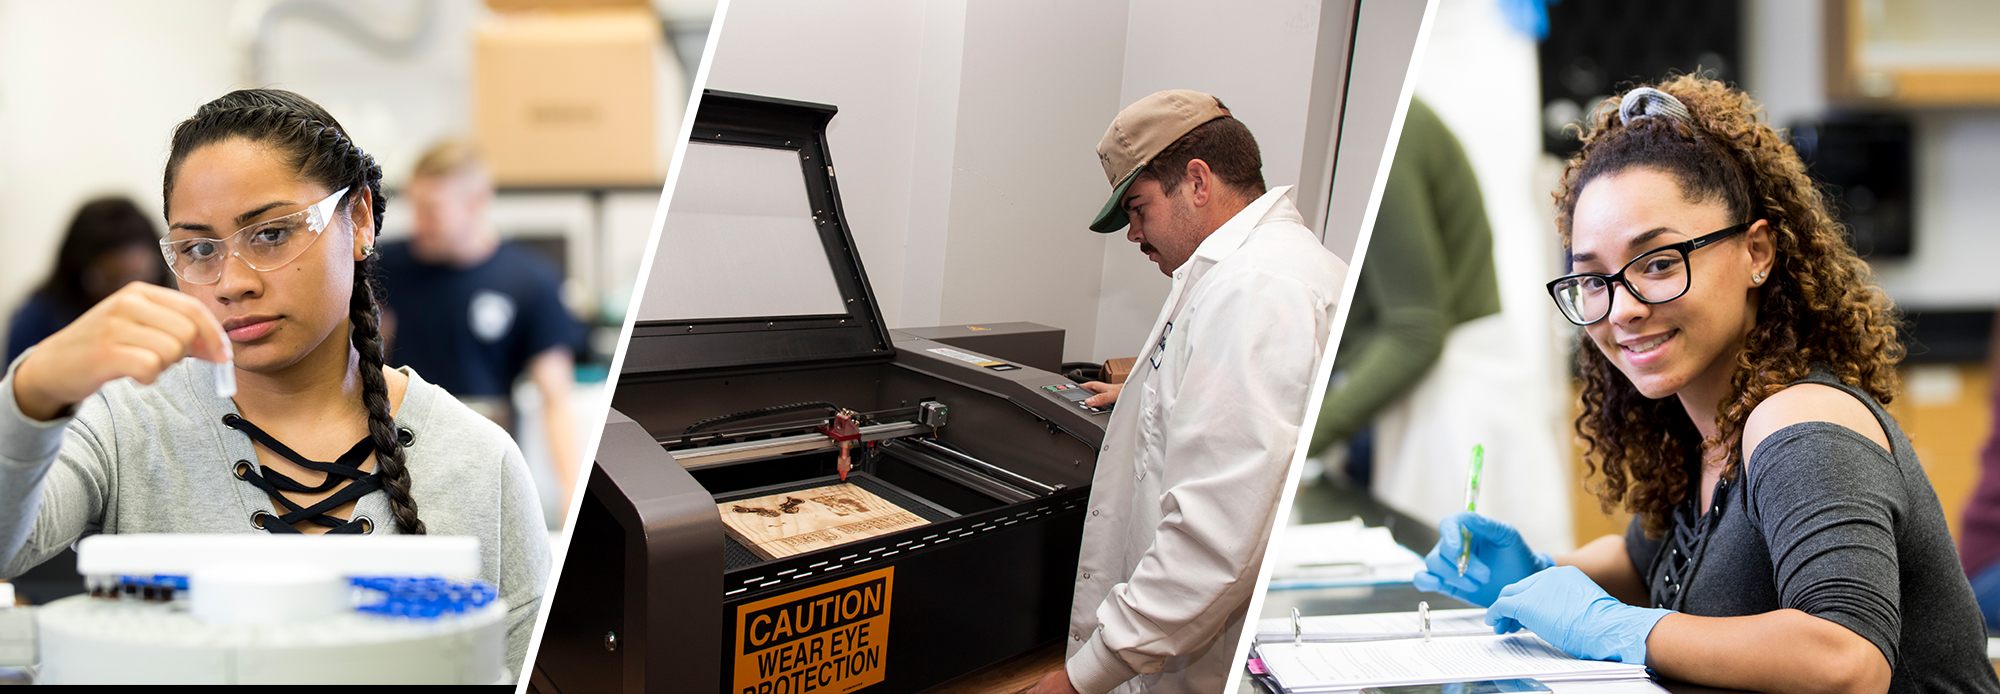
(1895, 106)
(573, 106)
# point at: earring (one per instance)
(1757, 278)
(368, 251)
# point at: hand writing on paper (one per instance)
(1499, 557)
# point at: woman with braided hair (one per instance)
(1735, 360)
(116, 424)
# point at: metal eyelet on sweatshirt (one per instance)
(242, 468)
(257, 518)
(405, 437)
(367, 524)
(344, 479)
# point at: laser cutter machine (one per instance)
(760, 376)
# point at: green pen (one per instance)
(1471, 505)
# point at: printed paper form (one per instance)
(1374, 627)
(1326, 667)
(1343, 553)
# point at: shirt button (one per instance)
(1093, 512)
(1086, 575)
(1107, 447)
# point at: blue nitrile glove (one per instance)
(1568, 610)
(1499, 557)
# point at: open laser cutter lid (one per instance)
(755, 265)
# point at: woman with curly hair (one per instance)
(1735, 360)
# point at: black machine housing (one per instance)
(649, 594)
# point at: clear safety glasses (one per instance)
(264, 246)
(1655, 277)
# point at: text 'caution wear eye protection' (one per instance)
(1655, 277)
(264, 246)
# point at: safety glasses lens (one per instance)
(264, 246)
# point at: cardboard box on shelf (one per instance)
(568, 98)
(1115, 371)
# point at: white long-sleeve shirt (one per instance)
(1196, 454)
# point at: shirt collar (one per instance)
(1231, 235)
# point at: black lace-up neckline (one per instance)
(343, 469)
(1687, 540)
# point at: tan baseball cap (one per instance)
(1141, 132)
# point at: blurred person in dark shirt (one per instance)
(110, 244)
(471, 313)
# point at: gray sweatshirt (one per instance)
(157, 459)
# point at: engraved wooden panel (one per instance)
(781, 525)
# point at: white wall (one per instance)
(88, 93)
(1957, 213)
(91, 89)
(1381, 65)
(1039, 85)
(966, 138)
(940, 64)
(1951, 266)
(865, 61)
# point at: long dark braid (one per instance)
(322, 152)
(366, 334)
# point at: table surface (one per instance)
(1008, 676)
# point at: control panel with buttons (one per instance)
(1075, 395)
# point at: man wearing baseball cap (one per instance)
(1195, 458)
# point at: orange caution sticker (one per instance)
(832, 637)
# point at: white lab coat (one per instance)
(1424, 438)
(1196, 455)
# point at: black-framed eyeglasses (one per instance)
(1662, 276)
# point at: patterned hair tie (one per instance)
(1646, 102)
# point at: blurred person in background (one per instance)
(110, 244)
(1979, 533)
(472, 313)
(1429, 270)
(1428, 350)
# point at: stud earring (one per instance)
(368, 251)
(1757, 278)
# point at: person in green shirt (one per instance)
(1429, 269)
